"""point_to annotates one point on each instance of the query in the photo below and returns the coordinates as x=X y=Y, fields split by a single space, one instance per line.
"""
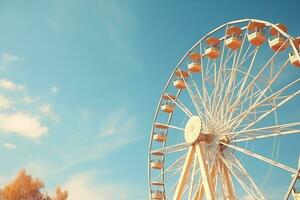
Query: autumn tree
x=24 y=187
x=60 y=195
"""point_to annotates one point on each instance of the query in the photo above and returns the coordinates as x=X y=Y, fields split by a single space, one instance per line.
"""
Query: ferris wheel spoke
x=228 y=107
x=173 y=148
x=272 y=110
x=176 y=172
x=178 y=103
x=264 y=91
x=184 y=174
x=172 y=167
x=241 y=175
x=244 y=80
x=168 y=126
x=218 y=75
x=283 y=100
x=277 y=127
x=248 y=55
x=265 y=132
x=201 y=99
x=257 y=156
x=235 y=66
x=267 y=135
x=258 y=75
x=192 y=96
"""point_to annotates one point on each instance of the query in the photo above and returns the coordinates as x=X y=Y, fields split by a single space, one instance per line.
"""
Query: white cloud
x=9 y=85
x=9 y=146
x=29 y=99
x=54 y=90
x=118 y=122
x=8 y=57
x=23 y=124
x=47 y=110
x=86 y=186
x=5 y=103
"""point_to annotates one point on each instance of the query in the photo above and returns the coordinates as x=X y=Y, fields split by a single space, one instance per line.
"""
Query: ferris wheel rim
x=268 y=24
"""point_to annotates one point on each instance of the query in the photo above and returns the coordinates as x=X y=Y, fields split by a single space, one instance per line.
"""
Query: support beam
x=209 y=190
x=185 y=173
x=200 y=193
x=227 y=184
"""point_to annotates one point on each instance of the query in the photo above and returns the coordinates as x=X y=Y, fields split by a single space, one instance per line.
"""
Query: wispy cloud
x=5 y=103
x=9 y=146
x=46 y=109
x=29 y=100
x=8 y=58
x=118 y=122
x=9 y=85
x=54 y=90
x=24 y=124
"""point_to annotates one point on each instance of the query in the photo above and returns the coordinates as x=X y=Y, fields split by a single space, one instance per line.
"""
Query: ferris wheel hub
x=193 y=131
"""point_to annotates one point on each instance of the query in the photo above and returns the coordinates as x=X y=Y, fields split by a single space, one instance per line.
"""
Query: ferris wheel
x=227 y=96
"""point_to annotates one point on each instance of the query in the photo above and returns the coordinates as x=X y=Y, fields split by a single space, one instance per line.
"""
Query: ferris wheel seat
x=157 y=195
x=167 y=108
x=294 y=59
x=195 y=56
x=212 y=52
x=179 y=84
x=256 y=38
x=158 y=164
x=233 y=42
x=160 y=137
x=278 y=43
x=194 y=67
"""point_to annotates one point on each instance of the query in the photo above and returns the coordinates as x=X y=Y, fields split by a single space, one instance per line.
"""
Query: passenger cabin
x=195 y=62
x=278 y=42
x=294 y=59
x=179 y=80
x=233 y=40
x=213 y=51
x=157 y=191
x=256 y=34
x=160 y=132
x=157 y=160
x=168 y=103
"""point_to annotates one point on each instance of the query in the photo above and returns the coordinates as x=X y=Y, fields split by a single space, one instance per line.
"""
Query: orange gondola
x=234 y=37
x=213 y=51
x=278 y=42
x=179 y=80
x=256 y=35
x=194 y=66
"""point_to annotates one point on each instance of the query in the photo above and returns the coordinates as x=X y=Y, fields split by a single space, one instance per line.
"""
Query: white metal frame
x=233 y=104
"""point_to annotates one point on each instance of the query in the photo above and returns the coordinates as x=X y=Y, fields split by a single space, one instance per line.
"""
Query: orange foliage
x=24 y=187
x=60 y=195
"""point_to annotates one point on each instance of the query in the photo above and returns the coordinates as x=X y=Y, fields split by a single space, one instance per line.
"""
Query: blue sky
x=84 y=77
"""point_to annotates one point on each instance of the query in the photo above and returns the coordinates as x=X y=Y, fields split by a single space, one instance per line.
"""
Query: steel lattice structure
x=227 y=90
